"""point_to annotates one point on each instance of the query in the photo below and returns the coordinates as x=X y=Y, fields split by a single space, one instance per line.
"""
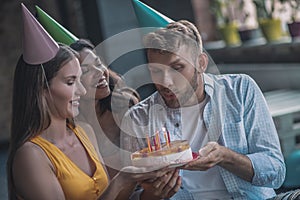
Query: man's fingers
x=207 y=149
x=201 y=164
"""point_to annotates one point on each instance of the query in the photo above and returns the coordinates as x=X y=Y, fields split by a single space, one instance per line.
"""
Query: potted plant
x=294 y=25
x=247 y=30
x=224 y=12
x=269 y=24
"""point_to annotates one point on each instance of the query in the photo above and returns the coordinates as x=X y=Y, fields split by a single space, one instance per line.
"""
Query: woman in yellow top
x=50 y=157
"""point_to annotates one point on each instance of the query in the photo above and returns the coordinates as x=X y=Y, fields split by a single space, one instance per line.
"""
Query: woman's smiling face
x=65 y=90
x=95 y=76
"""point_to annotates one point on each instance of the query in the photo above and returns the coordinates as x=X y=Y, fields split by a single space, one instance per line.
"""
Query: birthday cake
x=175 y=152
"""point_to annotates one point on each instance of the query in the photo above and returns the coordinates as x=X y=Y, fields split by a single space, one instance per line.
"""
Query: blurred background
x=235 y=33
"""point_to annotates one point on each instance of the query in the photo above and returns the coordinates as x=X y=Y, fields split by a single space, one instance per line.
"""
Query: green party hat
x=148 y=17
x=57 y=31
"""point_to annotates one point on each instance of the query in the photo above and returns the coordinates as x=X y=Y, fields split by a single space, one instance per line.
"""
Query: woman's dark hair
x=30 y=113
x=117 y=85
x=114 y=78
x=81 y=44
x=105 y=103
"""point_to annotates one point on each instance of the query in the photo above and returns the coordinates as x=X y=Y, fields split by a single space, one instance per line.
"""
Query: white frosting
x=164 y=160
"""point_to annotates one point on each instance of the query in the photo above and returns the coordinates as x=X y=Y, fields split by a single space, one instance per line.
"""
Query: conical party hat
x=57 y=31
x=148 y=17
x=38 y=46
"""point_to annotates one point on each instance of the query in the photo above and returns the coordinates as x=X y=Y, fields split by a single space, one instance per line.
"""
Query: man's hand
x=209 y=156
x=162 y=187
x=214 y=154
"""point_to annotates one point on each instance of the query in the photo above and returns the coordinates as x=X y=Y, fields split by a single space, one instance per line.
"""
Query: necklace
x=73 y=139
x=67 y=144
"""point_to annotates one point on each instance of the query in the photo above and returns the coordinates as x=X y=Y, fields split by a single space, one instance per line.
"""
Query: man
x=224 y=117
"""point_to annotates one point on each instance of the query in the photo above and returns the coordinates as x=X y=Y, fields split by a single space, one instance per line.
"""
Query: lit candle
x=166 y=139
x=157 y=140
x=154 y=142
x=169 y=140
x=149 y=144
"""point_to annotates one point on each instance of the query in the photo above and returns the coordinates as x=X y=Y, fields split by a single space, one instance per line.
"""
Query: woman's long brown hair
x=30 y=114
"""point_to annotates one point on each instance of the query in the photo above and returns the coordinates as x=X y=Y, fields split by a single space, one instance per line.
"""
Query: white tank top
x=202 y=184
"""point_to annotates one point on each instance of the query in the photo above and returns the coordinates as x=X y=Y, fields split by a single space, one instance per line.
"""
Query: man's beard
x=190 y=90
x=183 y=98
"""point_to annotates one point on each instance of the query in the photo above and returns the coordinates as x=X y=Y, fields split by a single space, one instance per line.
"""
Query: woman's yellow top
x=75 y=183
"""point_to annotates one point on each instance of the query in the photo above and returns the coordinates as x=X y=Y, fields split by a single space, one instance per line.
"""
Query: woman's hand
x=123 y=184
x=139 y=174
x=163 y=187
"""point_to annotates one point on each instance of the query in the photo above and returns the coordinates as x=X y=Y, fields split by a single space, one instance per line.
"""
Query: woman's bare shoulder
x=29 y=154
x=33 y=169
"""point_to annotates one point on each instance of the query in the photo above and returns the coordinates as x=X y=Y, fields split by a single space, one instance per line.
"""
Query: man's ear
x=203 y=62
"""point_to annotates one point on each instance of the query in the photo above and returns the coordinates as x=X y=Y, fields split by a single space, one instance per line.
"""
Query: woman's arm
x=123 y=183
x=34 y=175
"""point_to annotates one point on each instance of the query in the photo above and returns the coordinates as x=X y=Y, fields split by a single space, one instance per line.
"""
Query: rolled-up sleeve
x=263 y=146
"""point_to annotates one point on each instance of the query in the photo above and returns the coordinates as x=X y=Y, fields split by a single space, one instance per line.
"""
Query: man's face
x=175 y=76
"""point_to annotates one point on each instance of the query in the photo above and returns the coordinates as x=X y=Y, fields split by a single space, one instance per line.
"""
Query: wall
x=64 y=12
x=273 y=66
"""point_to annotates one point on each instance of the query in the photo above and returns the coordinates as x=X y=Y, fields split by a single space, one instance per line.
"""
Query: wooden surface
x=282 y=102
x=284 y=106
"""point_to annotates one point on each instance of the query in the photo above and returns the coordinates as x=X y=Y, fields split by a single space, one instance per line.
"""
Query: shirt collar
x=208 y=84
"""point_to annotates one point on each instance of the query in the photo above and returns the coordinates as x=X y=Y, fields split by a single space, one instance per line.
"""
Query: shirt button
x=94 y=178
x=97 y=191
